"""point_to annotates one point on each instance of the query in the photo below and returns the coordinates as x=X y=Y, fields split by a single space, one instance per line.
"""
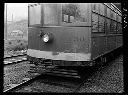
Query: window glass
x=117 y=18
x=34 y=14
x=119 y=28
x=50 y=14
x=120 y=19
x=72 y=13
x=94 y=22
x=115 y=23
x=102 y=9
x=108 y=12
x=112 y=14
x=112 y=27
x=101 y=24
x=108 y=25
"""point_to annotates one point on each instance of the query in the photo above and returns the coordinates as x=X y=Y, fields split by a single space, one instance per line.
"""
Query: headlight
x=45 y=38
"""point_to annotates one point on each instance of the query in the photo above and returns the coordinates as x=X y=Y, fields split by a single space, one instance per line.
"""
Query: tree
x=71 y=9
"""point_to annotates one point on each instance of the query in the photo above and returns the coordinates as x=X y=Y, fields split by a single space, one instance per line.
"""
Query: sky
x=18 y=11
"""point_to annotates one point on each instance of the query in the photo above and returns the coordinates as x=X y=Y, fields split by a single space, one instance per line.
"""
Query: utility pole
x=5 y=6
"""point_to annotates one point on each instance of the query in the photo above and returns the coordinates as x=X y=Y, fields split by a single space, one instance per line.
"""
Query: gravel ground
x=59 y=84
x=108 y=80
x=43 y=87
x=13 y=74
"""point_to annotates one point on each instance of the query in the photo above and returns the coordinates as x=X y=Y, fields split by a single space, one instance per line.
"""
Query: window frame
x=77 y=23
x=58 y=16
x=36 y=25
x=103 y=24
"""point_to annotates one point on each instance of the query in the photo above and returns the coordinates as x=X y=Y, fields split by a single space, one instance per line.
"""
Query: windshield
x=50 y=14
x=34 y=14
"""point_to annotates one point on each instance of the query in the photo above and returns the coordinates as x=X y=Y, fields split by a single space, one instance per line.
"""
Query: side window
x=117 y=18
x=102 y=9
x=108 y=12
x=95 y=7
x=94 y=22
x=101 y=24
x=34 y=14
x=112 y=14
x=120 y=19
x=115 y=29
x=108 y=25
x=112 y=27
x=72 y=13
x=119 y=28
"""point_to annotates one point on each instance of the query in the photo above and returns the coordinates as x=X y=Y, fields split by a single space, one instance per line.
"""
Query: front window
x=34 y=14
x=50 y=14
x=74 y=13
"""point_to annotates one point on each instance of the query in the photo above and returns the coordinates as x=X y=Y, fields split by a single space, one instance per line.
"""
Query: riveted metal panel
x=94 y=22
x=119 y=41
x=65 y=39
x=102 y=45
x=111 y=42
x=33 y=40
x=95 y=47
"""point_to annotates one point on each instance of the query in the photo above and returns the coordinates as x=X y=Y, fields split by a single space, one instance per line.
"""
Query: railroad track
x=63 y=82
x=50 y=81
x=75 y=86
x=10 y=56
x=15 y=59
x=46 y=81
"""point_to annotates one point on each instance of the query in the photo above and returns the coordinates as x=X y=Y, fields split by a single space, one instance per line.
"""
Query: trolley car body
x=73 y=33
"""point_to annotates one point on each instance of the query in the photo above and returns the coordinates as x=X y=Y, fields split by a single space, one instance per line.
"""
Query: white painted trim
x=59 y=55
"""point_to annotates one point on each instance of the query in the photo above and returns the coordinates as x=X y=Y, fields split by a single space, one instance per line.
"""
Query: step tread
x=59 y=74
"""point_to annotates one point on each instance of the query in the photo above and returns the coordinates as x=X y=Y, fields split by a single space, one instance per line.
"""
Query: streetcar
x=73 y=35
